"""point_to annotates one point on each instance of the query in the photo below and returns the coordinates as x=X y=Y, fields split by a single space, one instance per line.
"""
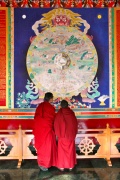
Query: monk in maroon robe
x=65 y=126
x=45 y=140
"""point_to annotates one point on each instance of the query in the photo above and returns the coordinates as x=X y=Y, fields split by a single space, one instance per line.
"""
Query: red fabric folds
x=45 y=141
x=65 y=124
x=66 y=129
x=66 y=153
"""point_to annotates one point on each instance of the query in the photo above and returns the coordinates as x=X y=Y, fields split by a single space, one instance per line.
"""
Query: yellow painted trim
x=110 y=55
x=7 y=59
x=12 y=57
x=115 y=57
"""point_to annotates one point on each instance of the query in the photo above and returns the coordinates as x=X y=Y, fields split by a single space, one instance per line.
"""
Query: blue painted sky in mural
x=99 y=30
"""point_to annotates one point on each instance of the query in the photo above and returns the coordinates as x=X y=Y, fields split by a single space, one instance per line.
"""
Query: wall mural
x=64 y=51
x=72 y=52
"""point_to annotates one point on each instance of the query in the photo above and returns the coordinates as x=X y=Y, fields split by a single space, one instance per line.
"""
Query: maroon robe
x=45 y=141
x=65 y=126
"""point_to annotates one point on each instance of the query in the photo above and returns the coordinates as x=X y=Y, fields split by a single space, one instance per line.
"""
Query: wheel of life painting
x=62 y=60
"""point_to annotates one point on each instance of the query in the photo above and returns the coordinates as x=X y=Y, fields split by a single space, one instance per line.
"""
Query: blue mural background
x=23 y=31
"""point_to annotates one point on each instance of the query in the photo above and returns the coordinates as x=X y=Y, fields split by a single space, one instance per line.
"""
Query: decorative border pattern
x=60 y=3
x=9 y=57
x=80 y=113
x=110 y=56
x=113 y=63
x=12 y=57
x=117 y=55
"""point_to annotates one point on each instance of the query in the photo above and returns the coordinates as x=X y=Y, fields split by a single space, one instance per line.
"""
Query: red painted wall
x=82 y=123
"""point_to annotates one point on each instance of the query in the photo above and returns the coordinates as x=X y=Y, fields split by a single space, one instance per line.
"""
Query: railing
x=11 y=139
x=90 y=143
x=92 y=138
